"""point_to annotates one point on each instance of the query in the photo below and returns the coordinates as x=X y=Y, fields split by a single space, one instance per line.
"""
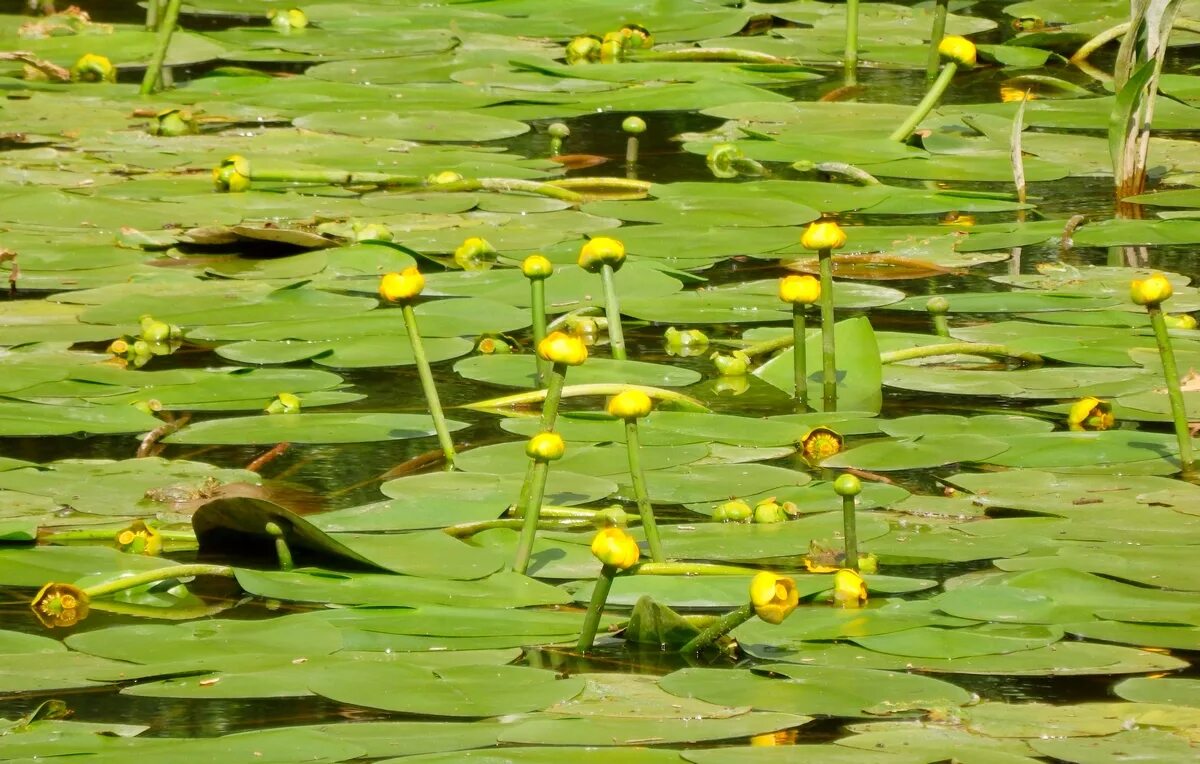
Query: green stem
x=851 y=72
x=828 y=358
x=537 y=305
x=556 y=145
x=955 y=348
x=157 y=574
x=612 y=310
x=466 y=530
x=427 y=384
x=850 y=533
x=935 y=38
x=679 y=400
x=554 y=391
x=799 y=356
x=152 y=10
x=718 y=629
x=631 y=150
x=689 y=569
x=589 y=185
x=732 y=55
x=107 y=534
x=596 y=608
x=529 y=524
x=941 y=327
x=1174 y=393
x=166 y=28
x=281 y=546
x=922 y=109
x=639 y=491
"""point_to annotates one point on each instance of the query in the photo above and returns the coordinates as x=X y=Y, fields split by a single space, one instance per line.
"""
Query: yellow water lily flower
x=773 y=597
x=560 y=347
x=799 y=290
x=545 y=447
x=60 y=605
x=849 y=589
x=402 y=287
x=536 y=268
x=1091 y=414
x=823 y=234
x=820 y=443
x=232 y=175
x=139 y=538
x=1151 y=291
x=601 y=251
x=91 y=67
x=958 y=49
x=613 y=546
x=630 y=404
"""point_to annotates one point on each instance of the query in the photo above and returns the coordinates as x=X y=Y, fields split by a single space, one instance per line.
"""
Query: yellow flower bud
x=293 y=19
x=140 y=538
x=545 y=447
x=849 y=589
x=232 y=175
x=630 y=404
x=1151 y=291
x=820 y=443
x=537 y=267
x=773 y=597
x=770 y=511
x=93 y=68
x=733 y=511
x=284 y=403
x=475 y=254
x=118 y=347
x=559 y=347
x=637 y=37
x=799 y=290
x=1091 y=414
x=1181 y=321
x=614 y=547
x=823 y=234
x=443 y=178
x=583 y=50
x=601 y=251
x=735 y=364
x=402 y=287
x=172 y=123
x=957 y=49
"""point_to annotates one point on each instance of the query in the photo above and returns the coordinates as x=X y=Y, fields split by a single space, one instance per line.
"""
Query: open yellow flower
x=232 y=175
x=773 y=597
x=601 y=251
x=139 y=538
x=1151 y=291
x=957 y=49
x=1091 y=414
x=820 y=443
x=60 y=605
x=630 y=404
x=799 y=290
x=823 y=234
x=849 y=589
x=613 y=546
x=560 y=347
x=402 y=287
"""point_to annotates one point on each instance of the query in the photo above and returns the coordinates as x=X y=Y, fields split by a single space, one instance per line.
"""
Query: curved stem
x=1174 y=393
x=850 y=533
x=690 y=569
x=466 y=530
x=851 y=67
x=541 y=469
x=718 y=629
x=157 y=574
x=957 y=348
x=427 y=384
x=828 y=356
x=612 y=310
x=681 y=401
x=922 y=109
x=587 y=636
x=799 y=356
x=166 y=28
x=638 y=478
x=935 y=38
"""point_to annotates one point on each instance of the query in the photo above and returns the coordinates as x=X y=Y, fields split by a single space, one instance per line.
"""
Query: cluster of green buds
x=156 y=338
x=736 y=364
x=685 y=343
x=610 y=49
x=172 y=123
x=765 y=512
x=92 y=67
x=287 y=21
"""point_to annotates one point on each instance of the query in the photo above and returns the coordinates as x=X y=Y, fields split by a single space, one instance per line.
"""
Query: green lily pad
x=309 y=428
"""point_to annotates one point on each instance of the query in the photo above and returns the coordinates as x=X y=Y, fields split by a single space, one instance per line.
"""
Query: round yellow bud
x=823 y=234
x=799 y=290
x=475 y=254
x=233 y=174
x=583 y=50
x=630 y=404
x=1151 y=291
x=402 y=287
x=93 y=68
x=559 y=347
x=545 y=447
x=1181 y=321
x=537 y=267
x=614 y=547
x=957 y=49
x=601 y=251
x=443 y=178
x=849 y=589
x=773 y=597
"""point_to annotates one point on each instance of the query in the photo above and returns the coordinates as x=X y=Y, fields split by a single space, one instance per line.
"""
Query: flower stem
x=431 y=394
x=612 y=310
x=157 y=574
x=281 y=546
x=537 y=489
x=679 y=400
x=955 y=348
x=166 y=28
x=935 y=38
x=851 y=68
x=466 y=530
x=799 y=356
x=922 y=109
x=591 y=621
x=828 y=359
x=718 y=629
x=537 y=305
x=1174 y=393
x=639 y=490
x=850 y=533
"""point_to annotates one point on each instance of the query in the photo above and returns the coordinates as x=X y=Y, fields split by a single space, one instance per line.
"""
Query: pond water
x=1019 y=563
